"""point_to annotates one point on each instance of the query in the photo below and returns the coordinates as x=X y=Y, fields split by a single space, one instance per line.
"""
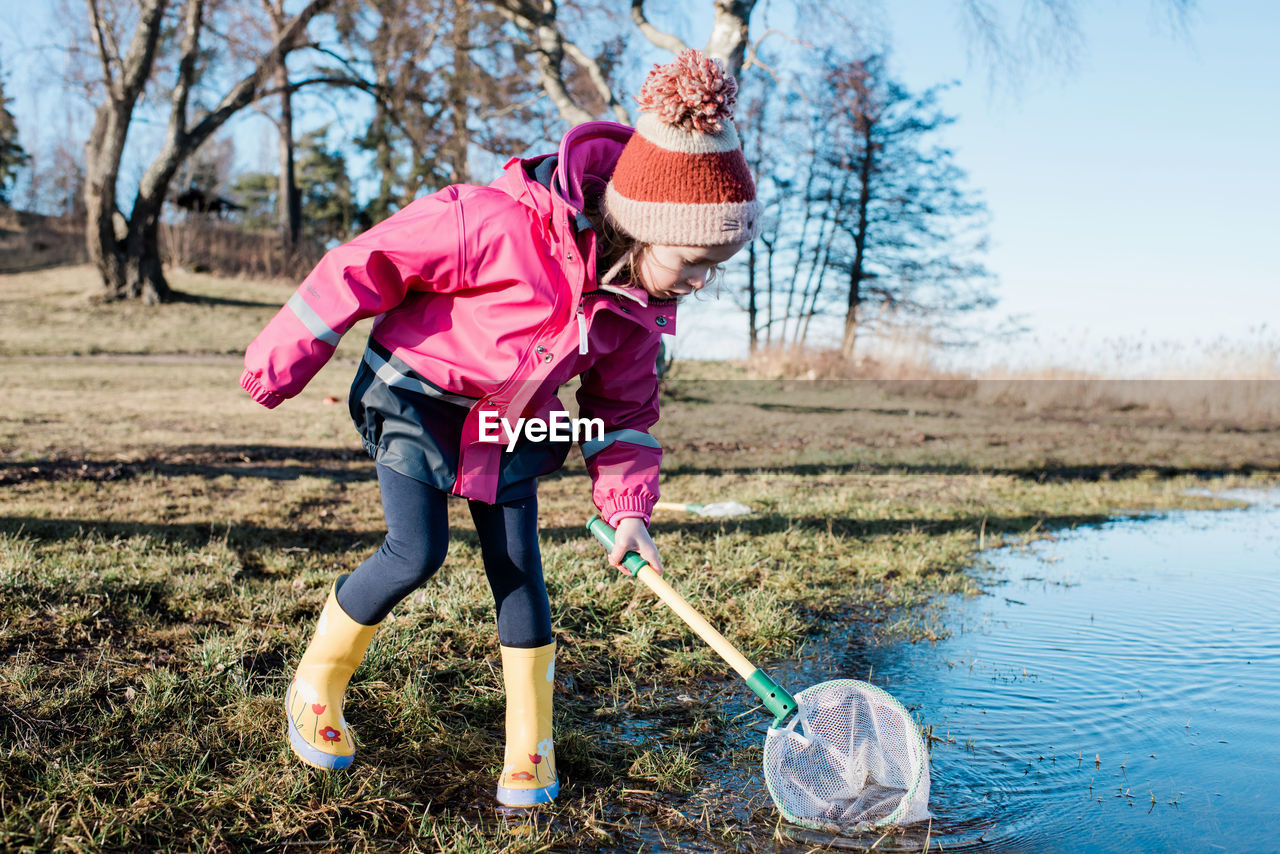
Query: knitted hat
x=682 y=178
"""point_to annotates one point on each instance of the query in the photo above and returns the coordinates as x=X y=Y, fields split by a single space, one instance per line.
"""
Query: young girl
x=487 y=299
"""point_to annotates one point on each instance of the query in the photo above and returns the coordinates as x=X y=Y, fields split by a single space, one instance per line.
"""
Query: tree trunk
x=130 y=263
x=835 y=202
x=459 y=89
x=850 y=324
x=102 y=167
x=768 y=302
x=866 y=171
x=806 y=199
x=380 y=130
x=384 y=160
x=105 y=234
x=753 y=333
x=125 y=252
x=288 y=200
x=728 y=39
x=144 y=272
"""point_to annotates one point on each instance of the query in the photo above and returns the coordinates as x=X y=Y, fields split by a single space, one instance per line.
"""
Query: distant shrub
x=30 y=241
x=205 y=245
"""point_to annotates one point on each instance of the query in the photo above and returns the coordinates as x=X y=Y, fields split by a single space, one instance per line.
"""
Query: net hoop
x=918 y=757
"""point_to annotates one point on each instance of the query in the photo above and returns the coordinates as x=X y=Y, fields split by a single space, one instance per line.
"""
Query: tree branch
x=594 y=71
x=188 y=54
x=138 y=61
x=246 y=89
x=346 y=63
x=666 y=41
x=753 y=54
x=329 y=80
x=728 y=39
x=549 y=45
x=99 y=40
x=512 y=108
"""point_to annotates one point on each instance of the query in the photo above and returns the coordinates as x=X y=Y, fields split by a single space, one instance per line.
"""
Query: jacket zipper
x=582 y=330
x=510 y=381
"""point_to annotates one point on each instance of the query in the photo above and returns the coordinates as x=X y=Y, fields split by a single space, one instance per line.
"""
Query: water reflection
x=1116 y=689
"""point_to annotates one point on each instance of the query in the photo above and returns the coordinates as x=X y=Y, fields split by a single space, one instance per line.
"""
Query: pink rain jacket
x=484 y=291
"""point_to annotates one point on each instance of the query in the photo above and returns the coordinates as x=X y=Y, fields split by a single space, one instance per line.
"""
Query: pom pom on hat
x=693 y=93
x=682 y=179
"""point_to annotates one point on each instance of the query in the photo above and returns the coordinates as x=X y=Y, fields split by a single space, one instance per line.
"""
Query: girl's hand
x=633 y=536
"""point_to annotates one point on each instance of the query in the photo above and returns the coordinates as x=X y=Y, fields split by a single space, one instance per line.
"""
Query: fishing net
x=724 y=508
x=849 y=759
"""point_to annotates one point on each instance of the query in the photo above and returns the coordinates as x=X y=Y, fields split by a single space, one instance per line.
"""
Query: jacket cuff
x=268 y=398
x=627 y=514
x=619 y=508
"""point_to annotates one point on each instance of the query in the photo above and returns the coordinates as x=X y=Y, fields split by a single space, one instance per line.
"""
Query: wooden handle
x=775 y=698
x=696 y=621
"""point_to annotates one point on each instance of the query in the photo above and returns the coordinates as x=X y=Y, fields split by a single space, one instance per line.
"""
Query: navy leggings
x=417 y=540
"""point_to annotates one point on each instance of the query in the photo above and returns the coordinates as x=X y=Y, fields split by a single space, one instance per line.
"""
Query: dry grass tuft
x=1225 y=384
x=1242 y=404
x=818 y=363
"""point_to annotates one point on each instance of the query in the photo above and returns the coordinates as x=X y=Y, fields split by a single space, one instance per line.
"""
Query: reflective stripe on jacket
x=489 y=292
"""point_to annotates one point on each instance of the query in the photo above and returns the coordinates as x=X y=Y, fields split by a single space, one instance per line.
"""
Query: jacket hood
x=587 y=155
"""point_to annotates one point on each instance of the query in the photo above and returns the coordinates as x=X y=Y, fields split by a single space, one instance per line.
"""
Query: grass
x=166 y=544
x=53 y=312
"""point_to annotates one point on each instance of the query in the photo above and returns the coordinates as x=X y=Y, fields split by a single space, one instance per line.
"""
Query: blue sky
x=1134 y=197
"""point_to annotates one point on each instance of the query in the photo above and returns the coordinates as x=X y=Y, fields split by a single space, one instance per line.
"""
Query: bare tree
x=126 y=250
x=1050 y=26
x=880 y=222
x=125 y=77
x=728 y=42
x=445 y=79
x=1042 y=31
x=288 y=199
x=866 y=215
x=539 y=21
x=403 y=47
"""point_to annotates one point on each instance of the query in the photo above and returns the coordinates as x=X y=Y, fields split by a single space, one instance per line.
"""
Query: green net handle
x=632 y=563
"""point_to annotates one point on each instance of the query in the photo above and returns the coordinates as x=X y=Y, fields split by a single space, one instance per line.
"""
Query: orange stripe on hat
x=649 y=173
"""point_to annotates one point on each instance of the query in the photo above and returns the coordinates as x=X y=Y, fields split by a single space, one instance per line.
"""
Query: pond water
x=1117 y=688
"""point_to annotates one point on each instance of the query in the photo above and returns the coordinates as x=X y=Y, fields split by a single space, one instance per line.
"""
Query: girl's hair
x=616 y=251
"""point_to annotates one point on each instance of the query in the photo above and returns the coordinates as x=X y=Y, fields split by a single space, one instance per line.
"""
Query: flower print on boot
x=318 y=732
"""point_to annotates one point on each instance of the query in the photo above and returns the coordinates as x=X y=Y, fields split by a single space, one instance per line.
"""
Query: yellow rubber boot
x=318 y=733
x=529 y=763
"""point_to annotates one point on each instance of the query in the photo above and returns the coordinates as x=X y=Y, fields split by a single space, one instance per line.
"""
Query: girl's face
x=670 y=272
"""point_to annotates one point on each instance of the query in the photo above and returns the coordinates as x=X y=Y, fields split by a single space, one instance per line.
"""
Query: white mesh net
x=724 y=508
x=850 y=758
